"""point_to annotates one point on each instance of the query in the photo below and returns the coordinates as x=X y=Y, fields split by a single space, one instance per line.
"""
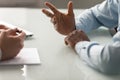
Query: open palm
x=64 y=23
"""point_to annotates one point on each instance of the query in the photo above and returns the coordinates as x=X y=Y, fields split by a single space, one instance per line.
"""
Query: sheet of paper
x=26 y=56
x=28 y=33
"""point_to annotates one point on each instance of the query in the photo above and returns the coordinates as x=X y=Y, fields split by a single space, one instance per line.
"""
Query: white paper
x=28 y=33
x=26 y=56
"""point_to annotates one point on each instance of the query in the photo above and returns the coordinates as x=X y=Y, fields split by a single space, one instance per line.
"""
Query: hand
x=11 y=42
x=64 y=23
x=75 y=37
x=3 y=27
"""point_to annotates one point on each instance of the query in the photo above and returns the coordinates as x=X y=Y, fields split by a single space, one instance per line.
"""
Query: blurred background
x=40 y=3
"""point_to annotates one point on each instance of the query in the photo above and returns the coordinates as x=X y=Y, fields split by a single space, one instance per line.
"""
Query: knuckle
x=74 y=32
x=66 y=37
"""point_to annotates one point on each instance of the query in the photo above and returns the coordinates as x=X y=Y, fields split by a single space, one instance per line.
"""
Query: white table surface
x=58 y=62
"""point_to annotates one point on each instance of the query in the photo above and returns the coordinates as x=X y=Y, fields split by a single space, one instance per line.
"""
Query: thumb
x=70 y=8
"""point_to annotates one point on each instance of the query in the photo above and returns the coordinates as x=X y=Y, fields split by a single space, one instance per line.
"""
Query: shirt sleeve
x=104 y=14
x=104 y=58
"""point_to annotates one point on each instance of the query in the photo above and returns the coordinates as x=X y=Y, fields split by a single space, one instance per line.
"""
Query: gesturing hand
x=64 y=23
x=75 y=37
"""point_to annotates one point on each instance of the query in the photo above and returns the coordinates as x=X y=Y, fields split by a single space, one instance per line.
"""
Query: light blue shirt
x=102 y=58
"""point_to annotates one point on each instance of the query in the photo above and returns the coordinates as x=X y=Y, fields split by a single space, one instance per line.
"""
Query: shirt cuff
x=116 y=37
x=90 y=52
x=83 y=49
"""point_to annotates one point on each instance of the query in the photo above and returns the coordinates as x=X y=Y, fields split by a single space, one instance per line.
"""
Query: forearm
x=104 y=14
x=86 y=21
x=105 y=58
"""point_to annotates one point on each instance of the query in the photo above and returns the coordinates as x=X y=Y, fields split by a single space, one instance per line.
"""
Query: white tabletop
x=58 y=62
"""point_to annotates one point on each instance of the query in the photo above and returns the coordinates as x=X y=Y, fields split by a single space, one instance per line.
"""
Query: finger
x=53 y=20
x=3 y=26
x=47 y=13
x=1 y=30
x=18 y=30
x=2 y=33
x=70 y=8
x=21 y=35
x=66 y=40
x=74 y=32
x=52 y=7
x=12 y=31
